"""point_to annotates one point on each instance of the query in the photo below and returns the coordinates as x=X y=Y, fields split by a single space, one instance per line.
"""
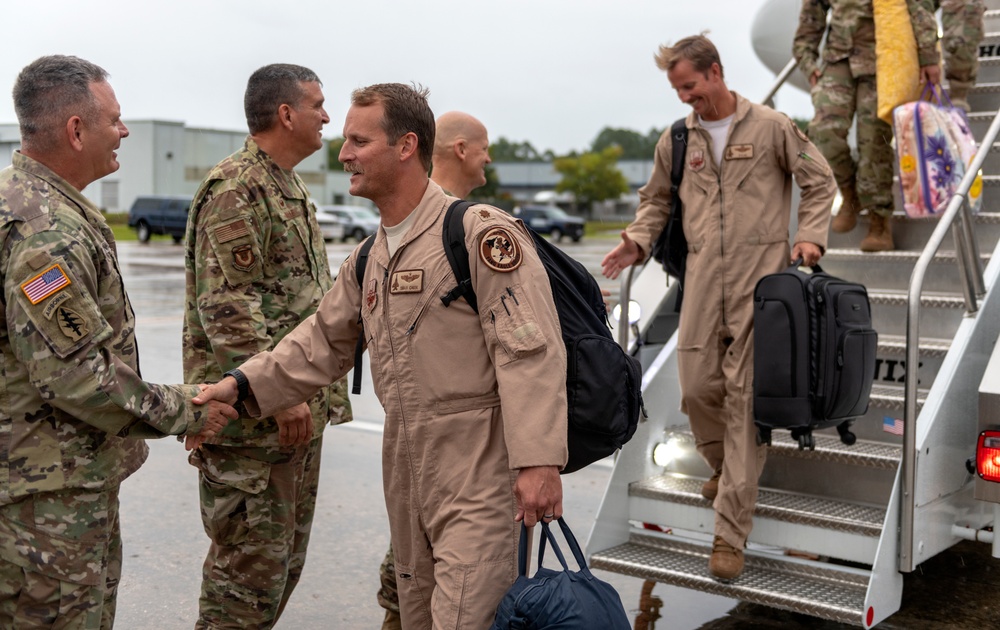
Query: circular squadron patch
x=499 y=250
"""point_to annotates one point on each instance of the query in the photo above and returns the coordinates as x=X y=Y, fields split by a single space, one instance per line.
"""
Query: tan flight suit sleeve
x=316 y=353
x=813 y=175
x=654 y=199
x=523 y=337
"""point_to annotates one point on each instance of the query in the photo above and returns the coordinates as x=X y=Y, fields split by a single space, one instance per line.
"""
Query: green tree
x=490 y=191
x=592 y=177
x=333 y=153
x=504 y=150
x=634 y=145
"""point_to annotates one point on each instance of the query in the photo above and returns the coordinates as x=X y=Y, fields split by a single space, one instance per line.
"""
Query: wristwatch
x=242 y=384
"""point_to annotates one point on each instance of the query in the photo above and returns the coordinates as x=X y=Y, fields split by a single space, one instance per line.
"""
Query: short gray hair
x=269 y=88
x=50 y=90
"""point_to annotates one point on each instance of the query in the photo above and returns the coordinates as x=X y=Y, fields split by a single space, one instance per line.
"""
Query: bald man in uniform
x=461 y=153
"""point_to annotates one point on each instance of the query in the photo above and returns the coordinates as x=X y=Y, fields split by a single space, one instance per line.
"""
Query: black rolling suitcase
x=814 y=353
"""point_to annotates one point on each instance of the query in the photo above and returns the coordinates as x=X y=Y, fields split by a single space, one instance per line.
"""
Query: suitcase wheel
x=805 y=438
x=846 y=435
x=763 y=436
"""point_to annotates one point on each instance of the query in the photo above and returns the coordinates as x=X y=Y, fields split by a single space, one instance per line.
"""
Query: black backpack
x=670 y=247
x=603 y=382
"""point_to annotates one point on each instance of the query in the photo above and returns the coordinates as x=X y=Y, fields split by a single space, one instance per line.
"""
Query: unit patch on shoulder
x=499 y=251
x=45 y=284
x=244 y=258
x=71 y=324
x=407 y=281
x=231 y=231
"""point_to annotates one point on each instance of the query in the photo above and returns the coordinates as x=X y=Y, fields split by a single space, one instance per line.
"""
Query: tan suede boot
x=879 y=237
x=710 y=489
x=726 y=562
x=958 y=92
x=850 y=207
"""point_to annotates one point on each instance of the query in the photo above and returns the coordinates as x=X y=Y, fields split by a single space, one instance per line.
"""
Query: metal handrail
x=779 y=81
x=973 y=286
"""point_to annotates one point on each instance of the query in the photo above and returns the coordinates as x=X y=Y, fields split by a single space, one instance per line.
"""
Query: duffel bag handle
x=574 y=546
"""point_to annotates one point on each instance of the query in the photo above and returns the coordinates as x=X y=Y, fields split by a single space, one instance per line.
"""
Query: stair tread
x=869 y=453
x=896 y=345
x=928 y=299
x=897 y=255
x=820 y=591
x=789 y=507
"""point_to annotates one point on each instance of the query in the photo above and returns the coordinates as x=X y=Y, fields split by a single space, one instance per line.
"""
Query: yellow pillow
x=897 y=66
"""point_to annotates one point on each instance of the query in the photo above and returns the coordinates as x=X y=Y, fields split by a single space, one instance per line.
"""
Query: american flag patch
x=231 y=231
x=45 y=284
x=892 y=425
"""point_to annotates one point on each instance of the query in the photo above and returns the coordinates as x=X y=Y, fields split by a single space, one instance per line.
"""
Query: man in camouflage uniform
x=844 y=86
x=70 y=393
x=256 y=266
x=962 y=30
x=461 y=153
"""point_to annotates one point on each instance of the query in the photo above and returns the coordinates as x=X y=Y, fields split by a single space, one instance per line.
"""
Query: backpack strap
x=678 y=141
x=359 y=348
x=453 y=236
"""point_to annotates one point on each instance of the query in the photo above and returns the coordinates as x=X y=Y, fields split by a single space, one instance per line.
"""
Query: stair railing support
x=966 y=244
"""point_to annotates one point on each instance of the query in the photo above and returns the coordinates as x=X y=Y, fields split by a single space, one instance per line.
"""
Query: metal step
x=941 y=313
x=892 y=270
x=817 y=589
x=842 y=516
x=912 y=234
x=890 y=366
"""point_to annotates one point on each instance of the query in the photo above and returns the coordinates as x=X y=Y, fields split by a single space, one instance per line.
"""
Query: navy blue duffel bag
x=558 y=600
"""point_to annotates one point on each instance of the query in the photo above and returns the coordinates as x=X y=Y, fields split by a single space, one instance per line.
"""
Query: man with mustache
x=256 y=266
x=71 y=398
x=475 y=427
x=461 y=153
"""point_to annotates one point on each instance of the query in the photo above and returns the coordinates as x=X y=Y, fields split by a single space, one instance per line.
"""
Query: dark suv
x=551 y=220
x=159 y=214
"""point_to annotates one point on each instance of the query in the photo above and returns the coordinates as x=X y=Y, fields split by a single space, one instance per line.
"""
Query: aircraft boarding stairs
x=837 y=505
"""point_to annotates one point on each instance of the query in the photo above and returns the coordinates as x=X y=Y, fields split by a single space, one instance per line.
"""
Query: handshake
x=295 y=424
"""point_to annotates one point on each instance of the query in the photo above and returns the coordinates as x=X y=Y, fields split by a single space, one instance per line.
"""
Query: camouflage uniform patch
x=255 y=266
x=388 y=596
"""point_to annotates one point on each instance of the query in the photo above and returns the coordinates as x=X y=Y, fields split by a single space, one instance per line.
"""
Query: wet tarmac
x=165 y=543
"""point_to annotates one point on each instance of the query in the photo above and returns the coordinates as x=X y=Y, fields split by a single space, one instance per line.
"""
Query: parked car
x=551 y=220
x=159 y=214
x=359 y=222
x=330 y=225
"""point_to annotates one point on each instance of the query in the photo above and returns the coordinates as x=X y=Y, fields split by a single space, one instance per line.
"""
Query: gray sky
x=553 y=72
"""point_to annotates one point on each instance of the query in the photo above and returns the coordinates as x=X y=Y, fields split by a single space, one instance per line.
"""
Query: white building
x=167 y=158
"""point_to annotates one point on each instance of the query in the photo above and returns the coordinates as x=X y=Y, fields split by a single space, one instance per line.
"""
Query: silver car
x=330 y=226
x=359 y=222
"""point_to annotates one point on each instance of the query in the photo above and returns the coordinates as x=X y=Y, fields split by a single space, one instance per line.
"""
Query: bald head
x=461 y=153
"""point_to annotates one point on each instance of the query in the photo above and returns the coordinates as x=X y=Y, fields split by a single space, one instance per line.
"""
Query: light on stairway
x=667 y=452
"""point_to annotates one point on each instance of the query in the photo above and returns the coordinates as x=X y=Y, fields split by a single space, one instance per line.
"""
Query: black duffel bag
x=558 y=600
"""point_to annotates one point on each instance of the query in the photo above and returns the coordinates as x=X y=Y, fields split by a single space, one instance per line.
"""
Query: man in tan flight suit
x=736 y=192
x=475 y=428
x=461 y=153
